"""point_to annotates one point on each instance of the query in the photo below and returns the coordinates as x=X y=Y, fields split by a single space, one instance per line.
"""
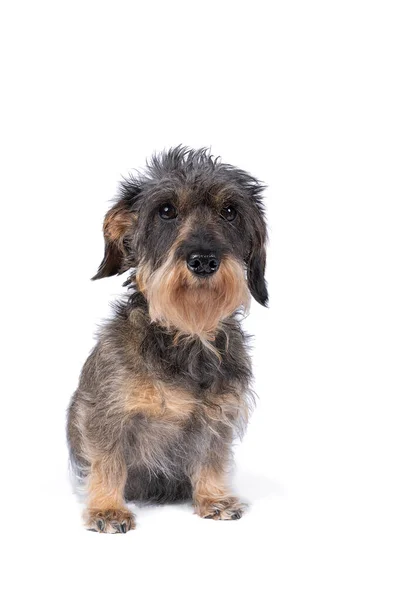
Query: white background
x=305 y=95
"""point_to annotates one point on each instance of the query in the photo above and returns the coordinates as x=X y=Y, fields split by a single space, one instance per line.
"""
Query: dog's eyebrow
x=223 y=192
x=158 y=196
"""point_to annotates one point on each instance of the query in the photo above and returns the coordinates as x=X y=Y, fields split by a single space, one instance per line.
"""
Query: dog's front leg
x=212 y=497
x=106 y=511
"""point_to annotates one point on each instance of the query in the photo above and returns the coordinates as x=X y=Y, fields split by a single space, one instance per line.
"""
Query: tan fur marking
x=106 y=484
x=226 y=408
x=106 y=511
x=179 y=300
x=158 y=400
x=109 y=520
x=116 y=224
x=144 y=272
x=210 y=484
x=211 y=496
x=142 y=276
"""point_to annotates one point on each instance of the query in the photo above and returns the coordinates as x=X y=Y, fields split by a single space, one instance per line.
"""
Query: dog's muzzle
x=203 y=263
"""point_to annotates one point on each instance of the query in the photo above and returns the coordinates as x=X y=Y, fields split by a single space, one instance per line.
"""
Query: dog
x=167 y=388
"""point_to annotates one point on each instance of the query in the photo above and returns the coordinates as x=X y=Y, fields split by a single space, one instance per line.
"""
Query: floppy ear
x=256 y=266
x=118 y=223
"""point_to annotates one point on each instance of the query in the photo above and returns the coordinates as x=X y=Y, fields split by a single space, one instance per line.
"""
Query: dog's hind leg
x=106 y=511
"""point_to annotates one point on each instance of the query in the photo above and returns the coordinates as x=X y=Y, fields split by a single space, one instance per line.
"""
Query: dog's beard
x=194 y=306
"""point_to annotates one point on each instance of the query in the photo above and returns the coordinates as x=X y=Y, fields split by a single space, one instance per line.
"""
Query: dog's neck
x=171 y=354
x=207 y=337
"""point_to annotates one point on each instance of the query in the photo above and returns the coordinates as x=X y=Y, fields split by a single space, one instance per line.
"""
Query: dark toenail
x=123 y=527
x=100 y=525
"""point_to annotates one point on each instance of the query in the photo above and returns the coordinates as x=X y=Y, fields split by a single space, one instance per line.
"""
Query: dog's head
x=194 y=231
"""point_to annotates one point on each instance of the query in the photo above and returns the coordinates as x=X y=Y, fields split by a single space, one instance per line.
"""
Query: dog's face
x=193 y=229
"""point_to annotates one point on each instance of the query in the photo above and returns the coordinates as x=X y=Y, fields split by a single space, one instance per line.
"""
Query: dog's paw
x=227 y=509
x=109 y=520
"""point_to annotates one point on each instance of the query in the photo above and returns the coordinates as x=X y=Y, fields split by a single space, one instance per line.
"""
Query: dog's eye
x=228 y=213
x=167 y=211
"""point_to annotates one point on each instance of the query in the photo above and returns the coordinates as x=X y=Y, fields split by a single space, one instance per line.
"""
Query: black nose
x=203 y=263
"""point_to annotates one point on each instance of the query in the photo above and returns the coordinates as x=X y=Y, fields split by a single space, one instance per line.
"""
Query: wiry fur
x=178 y=301
x=167 y=387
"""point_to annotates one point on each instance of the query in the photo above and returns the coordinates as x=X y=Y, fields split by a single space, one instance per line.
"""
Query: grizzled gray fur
x=167 y=386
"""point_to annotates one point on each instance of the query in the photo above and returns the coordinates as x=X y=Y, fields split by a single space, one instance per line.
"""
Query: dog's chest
x=197 y=368
x=167 y=425
x=173 y=405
